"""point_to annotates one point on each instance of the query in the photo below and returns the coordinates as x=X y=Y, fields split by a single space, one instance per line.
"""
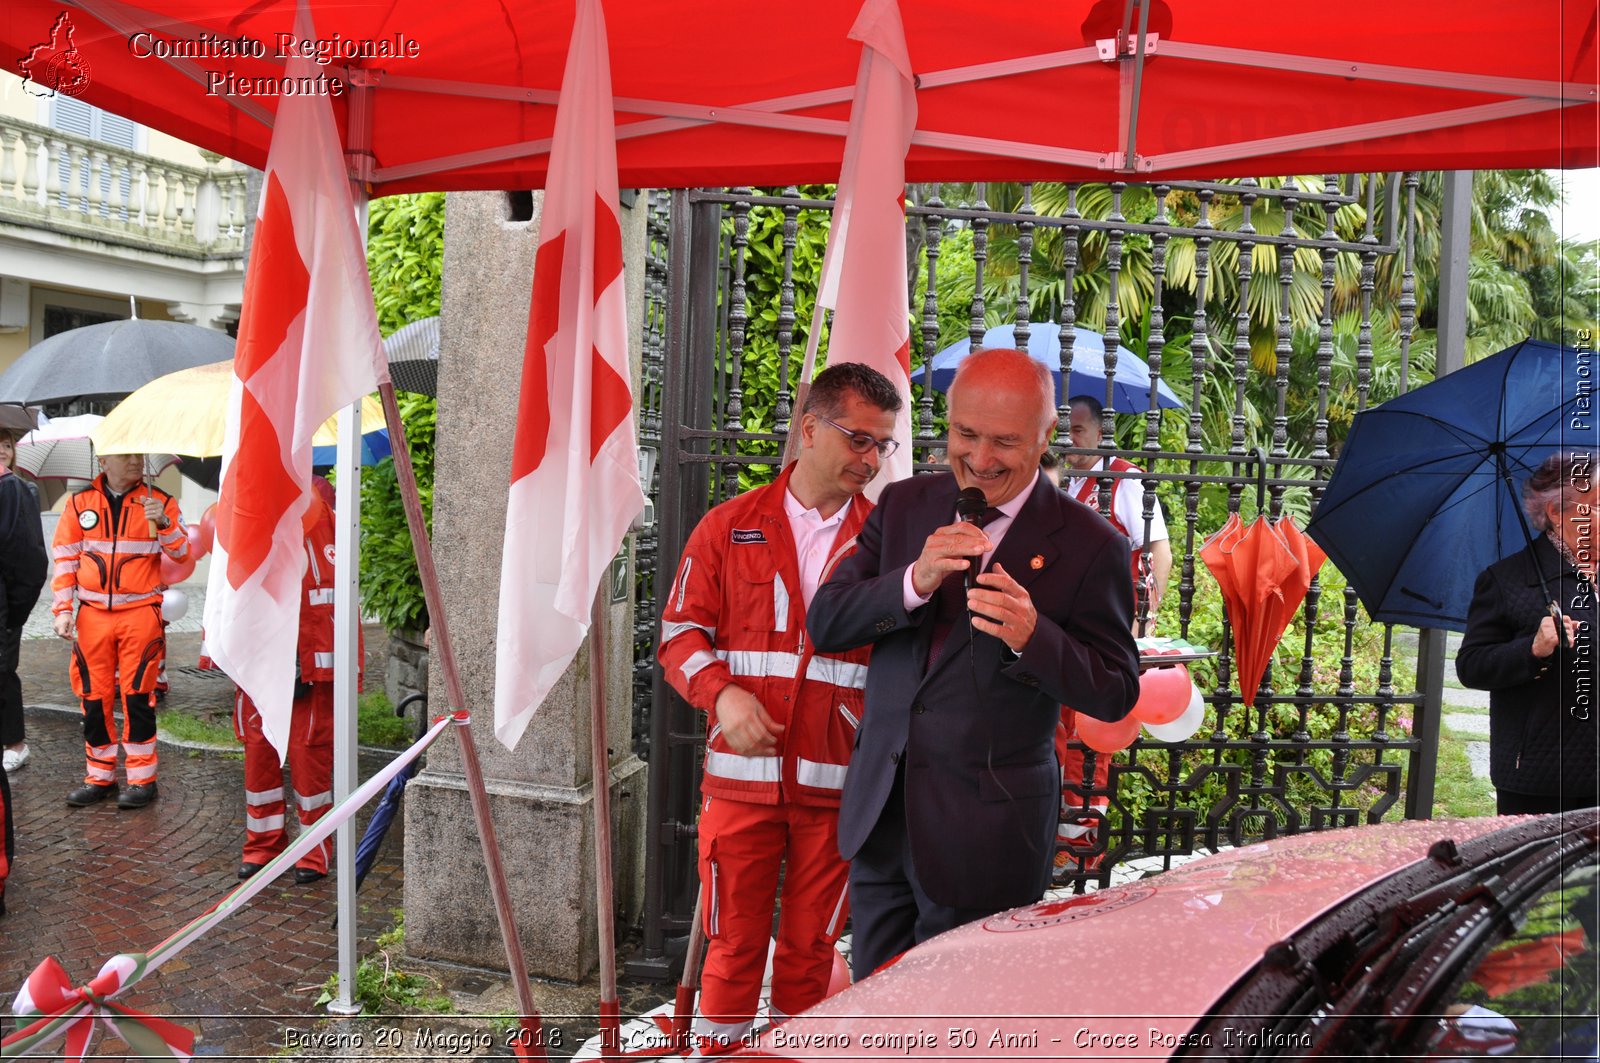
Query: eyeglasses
x=860 y=442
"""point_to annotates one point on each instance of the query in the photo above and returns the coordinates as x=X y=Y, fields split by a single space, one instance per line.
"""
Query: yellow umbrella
x=185 y=413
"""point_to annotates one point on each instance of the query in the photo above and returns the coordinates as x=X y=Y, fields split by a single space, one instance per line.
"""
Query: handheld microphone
x=969 y=510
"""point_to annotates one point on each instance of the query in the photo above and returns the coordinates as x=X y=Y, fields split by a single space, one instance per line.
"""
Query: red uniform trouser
x=310 y=768
x=742 y=845
x=121 y=648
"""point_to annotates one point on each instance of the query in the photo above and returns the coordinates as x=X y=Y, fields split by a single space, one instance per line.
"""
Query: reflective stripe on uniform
x=821 y=776
x=847 y=714
x=139 y=749
x=837 y=672
x=697 y=660
x=262 y=797
x=320 y=596
x=672 y=630
x=322 y=660
x=172 y=535
x=683 y=581
x=744 y=769
x=780 y=604
x=836 y=921
x=771 y=663
x=121 y=546
x=262 y=824
x=314 y=801
x=102 y=598
x=67 y=550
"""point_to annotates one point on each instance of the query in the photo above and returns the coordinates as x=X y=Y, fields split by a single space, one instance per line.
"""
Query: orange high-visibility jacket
x=113 y=567
x=735 y=614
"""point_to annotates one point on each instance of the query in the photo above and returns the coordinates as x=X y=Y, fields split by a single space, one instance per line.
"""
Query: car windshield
x=1534 y=993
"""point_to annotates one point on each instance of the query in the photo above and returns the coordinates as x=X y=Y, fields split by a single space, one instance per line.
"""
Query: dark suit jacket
x=982 y=785
x=1542 y=712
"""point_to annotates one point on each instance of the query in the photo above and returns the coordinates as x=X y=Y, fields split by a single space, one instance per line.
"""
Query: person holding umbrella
x=108 y=548
x=1152 y=556
x=1530 y=643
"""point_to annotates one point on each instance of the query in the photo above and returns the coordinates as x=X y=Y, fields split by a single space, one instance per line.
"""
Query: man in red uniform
x=782 y=717
x=108 y=548
x=311 y=724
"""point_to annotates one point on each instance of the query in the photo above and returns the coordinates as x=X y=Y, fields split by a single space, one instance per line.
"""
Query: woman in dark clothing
x=1541 y=678
x=23 y=566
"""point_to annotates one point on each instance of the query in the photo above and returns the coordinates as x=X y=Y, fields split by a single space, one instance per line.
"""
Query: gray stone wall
x=541 y=793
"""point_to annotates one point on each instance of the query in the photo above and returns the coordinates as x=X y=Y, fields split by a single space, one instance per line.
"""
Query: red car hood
x=1120 y=973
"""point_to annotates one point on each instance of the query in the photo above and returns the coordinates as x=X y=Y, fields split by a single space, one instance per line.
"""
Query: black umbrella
x=414 y=357
x=109 y=360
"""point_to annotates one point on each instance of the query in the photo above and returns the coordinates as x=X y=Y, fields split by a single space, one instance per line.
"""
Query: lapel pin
x=1037 y=563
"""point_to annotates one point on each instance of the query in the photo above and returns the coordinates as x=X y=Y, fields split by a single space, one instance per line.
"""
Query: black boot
x=89 y=793
x=137 y=796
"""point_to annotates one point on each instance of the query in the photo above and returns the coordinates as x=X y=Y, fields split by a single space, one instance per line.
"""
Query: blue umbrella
x=383 y=812
x=1131 y=385
x=1426 y=492
x=374 y=448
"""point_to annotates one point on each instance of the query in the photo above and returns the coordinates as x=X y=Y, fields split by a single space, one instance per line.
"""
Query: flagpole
x=600 y=755
x=530 y=1045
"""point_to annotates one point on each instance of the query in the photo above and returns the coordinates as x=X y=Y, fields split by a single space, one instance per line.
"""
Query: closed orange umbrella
x=1264 y=570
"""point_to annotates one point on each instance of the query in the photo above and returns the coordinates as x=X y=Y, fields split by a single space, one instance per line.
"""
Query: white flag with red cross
x=864 y=270
x=308 y=345
x=575 y=467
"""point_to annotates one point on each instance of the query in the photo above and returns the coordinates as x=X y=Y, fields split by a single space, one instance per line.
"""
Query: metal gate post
x=1455 y=239
x=670 y=869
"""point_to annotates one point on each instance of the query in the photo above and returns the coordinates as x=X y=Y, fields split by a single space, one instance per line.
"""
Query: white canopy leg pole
x=346 y=667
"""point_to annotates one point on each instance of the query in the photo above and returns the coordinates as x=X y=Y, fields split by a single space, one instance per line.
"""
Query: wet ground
x=89 y=883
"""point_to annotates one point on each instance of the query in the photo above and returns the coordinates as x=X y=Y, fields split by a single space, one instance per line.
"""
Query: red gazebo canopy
x=717 y=92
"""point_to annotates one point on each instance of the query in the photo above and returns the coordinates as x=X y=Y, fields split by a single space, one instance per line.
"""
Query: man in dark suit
x=949 y=808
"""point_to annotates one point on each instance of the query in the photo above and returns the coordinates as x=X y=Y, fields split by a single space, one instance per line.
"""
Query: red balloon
x=208 y=528
x=1107 y=737
x=839 y=977
x=197 y=549
x=1164 y=694
x=175 y=572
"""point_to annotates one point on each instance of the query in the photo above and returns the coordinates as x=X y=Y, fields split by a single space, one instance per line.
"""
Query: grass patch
x=1456 y=791
x=379 y=726
x=376 y=725
x=199 y=730
x=383 y=989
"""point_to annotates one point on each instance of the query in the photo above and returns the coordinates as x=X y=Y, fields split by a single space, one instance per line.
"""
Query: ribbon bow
x=55 y=1007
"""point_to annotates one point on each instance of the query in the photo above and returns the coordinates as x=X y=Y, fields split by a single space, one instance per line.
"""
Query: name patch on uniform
x=88 y=519
x=748 y=535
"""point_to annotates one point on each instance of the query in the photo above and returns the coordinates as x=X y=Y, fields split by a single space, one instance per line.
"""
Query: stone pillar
x=541 y=793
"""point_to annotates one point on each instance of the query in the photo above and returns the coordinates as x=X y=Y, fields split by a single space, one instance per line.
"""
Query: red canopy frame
x=719 y=92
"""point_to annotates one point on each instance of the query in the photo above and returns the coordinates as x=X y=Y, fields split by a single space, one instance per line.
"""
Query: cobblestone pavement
x=90 y=883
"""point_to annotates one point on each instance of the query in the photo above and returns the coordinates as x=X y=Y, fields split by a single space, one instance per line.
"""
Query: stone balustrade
x=79 y=186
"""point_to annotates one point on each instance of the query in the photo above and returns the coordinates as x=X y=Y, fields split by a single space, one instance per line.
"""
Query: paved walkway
x=93 y=882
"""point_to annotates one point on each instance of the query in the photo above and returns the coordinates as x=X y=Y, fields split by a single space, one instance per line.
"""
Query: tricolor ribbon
x=51 y=1007
x=57 y=1009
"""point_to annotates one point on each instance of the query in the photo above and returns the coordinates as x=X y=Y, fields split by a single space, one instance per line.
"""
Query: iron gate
x=1279 y=346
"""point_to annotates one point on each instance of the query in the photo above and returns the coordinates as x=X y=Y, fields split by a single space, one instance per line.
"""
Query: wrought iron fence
x=1281 y=341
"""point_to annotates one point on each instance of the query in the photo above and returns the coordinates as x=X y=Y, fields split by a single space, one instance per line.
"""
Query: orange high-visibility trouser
x=118 y=648
x=310 y=770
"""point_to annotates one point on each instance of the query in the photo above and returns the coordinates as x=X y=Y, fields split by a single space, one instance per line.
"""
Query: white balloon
x=174 y=605
x=1184 y=726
